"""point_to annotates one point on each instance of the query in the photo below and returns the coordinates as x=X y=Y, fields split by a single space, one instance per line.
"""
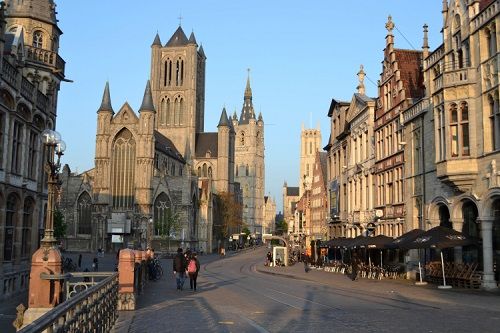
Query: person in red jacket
x=193 y=268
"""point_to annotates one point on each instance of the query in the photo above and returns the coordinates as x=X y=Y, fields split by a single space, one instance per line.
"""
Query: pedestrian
x=95 y=264
x=193 y=268
x=269 y=258
x=222 y=252
x=306 y=264
x=355 y=262
x=80 y=260
x=179 y=266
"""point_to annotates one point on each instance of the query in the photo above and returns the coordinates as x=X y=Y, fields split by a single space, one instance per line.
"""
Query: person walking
x=355 y=262
x=193 y=268
x=95 y=264
x=179 y=266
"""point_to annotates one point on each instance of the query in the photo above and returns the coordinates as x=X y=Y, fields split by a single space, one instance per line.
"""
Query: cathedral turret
x=223 y=148
x=106 y=101
x=156 y=41
x=247 y=112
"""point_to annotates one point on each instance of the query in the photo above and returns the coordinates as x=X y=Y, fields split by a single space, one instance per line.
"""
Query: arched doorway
x=444 y=221
x=495 y=208
x=471 y=253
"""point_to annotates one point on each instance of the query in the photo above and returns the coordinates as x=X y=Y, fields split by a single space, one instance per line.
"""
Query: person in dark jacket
x=193 y=269
x=180 y=266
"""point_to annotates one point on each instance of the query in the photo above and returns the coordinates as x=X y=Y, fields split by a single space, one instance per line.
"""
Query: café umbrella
x=441 y=238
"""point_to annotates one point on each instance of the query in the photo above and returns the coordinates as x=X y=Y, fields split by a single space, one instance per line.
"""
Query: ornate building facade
x=155 y=165
x=454 y=134
x=32 y=71
x=310 y=143
x=249 y=163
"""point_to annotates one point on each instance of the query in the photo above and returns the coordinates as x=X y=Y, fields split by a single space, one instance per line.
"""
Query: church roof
x=163 y=144
x=157 y=40
x=206 y=142
x=192 y=39
x=223 y=119
x=106 y=100
x=147 y=100
x=178 y=38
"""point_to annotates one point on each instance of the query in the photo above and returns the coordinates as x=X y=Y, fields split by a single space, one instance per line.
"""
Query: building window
x=26 y=231
x=454 y=130
x=163 y=221
x=38 y=39
x=2 y=135
x=10 y=227
x=494 y=123
x=123 y=170
x=464 y=128
x=84 y=211
x=32 y=155
x=17 y=133
x=441 y=134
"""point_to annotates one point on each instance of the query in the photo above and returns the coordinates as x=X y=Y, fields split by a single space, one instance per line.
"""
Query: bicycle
x=155 y=269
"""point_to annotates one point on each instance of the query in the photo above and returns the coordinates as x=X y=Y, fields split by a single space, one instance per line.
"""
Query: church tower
x=34 y=22
x=178 y=89
x=310 y=143
x=249 y=162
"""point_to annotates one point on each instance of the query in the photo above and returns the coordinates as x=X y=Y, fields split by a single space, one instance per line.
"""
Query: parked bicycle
x=155 y=269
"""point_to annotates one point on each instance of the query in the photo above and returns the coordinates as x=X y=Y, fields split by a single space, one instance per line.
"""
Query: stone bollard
x=43 y=294
x=126 y=292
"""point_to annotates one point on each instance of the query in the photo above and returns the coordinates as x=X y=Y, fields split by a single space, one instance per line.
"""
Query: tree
x=229 y=215
x=59 y=225
x=281 y=227
x=168 y=225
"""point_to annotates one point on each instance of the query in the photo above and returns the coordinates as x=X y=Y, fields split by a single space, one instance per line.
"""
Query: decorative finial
x=361 y=77
x=389 y=25
x=180 y=19
x=426 y=39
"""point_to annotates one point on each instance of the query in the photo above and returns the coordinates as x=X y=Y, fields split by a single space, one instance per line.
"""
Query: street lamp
x=53 y=146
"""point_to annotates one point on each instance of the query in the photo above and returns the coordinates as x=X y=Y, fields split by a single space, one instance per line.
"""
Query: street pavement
x=239 y=294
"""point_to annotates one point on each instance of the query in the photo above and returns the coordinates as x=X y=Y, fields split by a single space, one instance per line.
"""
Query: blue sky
x=301 y=55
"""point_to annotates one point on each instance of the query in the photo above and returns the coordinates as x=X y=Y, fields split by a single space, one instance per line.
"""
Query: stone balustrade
x=46 y=57
x=485 y=16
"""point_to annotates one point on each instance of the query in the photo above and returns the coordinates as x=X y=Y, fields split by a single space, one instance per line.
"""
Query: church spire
x=106 y=100
x=248 y=89
x=147 y=100
x=247 y=112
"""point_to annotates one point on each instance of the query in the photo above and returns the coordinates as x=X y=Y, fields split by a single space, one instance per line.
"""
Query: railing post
x=43 y=294
x=126 y=295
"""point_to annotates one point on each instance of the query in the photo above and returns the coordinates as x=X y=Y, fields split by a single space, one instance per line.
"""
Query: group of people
x=186 y=264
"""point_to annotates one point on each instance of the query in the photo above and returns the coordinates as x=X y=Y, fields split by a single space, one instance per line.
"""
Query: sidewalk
x=396 y=288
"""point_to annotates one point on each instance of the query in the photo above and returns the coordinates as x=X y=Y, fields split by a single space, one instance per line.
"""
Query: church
x=157 y=172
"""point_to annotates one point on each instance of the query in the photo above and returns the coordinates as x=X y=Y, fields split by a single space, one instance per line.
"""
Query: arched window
x=169 y=112
x=199 y=171
x=204 y=170
x=26 y=231
x=163 y=218
x=209 y=172
x=242 y=139
x=163 y=111
x=123 y=170
x=10 y=227
x=454 y=130
x=247 y=171
x=38 y=39
x=84 y=211
x=178 y=72
x=179 y=105
x=471 y=229
x=181 y=111
x=464 y=128
x=494 y=123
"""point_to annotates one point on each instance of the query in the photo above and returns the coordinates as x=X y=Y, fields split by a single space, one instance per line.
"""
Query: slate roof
x=147 y=100
x=206 y=142
x=163 y=144
x=106 y=100
x=157 y=40
x=292 y=191
x=485 y=3
x=178 y=38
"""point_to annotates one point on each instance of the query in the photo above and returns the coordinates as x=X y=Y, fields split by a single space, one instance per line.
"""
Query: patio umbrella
x=377 y=242
x=440 y=237
x=405 y=239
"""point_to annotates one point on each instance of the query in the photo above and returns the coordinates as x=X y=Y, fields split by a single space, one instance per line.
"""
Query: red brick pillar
x=43 y=294
x=126 y=292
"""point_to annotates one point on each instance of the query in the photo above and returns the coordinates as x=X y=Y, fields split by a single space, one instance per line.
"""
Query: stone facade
x=290 y=199
x=154 y=165
x=249 y=163
x=310 y=143
x=269 y=214
x=32 y=72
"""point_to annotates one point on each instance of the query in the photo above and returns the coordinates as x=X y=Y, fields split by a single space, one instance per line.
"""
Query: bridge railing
x=92 y=310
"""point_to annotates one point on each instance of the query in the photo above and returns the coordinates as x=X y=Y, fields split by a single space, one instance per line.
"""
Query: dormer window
x=38 y=39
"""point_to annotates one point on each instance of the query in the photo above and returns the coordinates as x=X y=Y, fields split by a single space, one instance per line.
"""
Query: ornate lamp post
x=46 y=261
x=53 y=146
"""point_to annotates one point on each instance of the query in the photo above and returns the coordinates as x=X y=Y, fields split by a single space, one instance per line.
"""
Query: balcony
x=458 y=173
x=458 y=77
x=45 y=57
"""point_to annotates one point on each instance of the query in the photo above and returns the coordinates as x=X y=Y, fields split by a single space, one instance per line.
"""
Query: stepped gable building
x=400 y=85
x=455 y=135
x=319 y=196
x=154 y=164
x=249 y=162
x=32 y=72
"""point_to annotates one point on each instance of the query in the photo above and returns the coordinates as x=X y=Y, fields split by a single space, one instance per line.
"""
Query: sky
x=301 y=55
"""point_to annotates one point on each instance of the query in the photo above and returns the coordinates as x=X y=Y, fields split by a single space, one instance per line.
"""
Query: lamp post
x=53 y=146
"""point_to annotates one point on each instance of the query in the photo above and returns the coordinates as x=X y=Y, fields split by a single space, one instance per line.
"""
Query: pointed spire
x=201 y=51
x=235 y=116
x=106 y=100
x=248 y=89
x=147 y=100
x=260 y=117
x=178 y=38
x=157 y=41
x=223 y=119
x=192 y=39
x=361 y=77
